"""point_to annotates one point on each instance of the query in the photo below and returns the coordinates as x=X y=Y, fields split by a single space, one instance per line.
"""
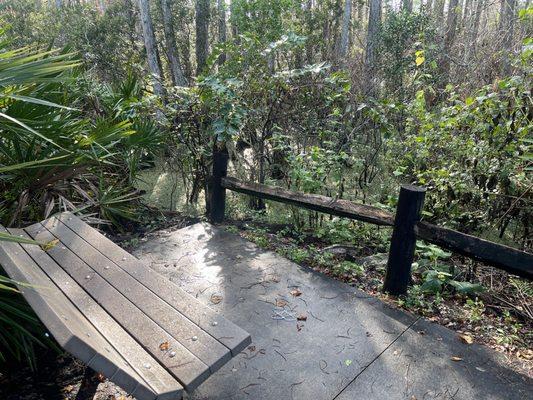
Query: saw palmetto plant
x=55 y=156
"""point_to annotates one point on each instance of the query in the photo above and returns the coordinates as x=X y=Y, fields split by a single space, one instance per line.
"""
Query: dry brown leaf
x=281 y=303
x=456 y=358
x=215 y=299
x=164 y=346
x=467 y=339
x=296 y=292
x=251 y=348
x=68 y=389
x=302 y=317
x=100 y=377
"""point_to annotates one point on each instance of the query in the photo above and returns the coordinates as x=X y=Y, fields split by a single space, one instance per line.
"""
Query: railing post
x=403 y=241
x=218 y=193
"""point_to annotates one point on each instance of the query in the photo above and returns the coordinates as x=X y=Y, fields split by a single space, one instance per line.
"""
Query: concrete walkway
x=346 y=345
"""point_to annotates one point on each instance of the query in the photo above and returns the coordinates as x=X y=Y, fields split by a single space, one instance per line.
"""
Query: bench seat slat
x=197 y=341
x=185 y=366
x=164 y=386
x=68 y=326
x=229 y=334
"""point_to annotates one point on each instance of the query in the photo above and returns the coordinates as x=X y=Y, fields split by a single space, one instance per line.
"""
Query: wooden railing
x=406 y=223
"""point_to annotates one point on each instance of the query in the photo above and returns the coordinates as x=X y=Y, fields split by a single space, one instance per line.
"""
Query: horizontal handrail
x=315 y=202
x=500 y=256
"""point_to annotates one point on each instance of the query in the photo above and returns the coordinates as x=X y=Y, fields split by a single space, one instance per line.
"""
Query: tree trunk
x=451 y=29
x=474 y=29
x=467 y=13
x=178 y=79
x=222 y=29
x=345 y=33
x=150 y=45
x=407 y=6
x=439 y=9
x=202 y=34
x=374 y=26
x=309 y=50
x=507 y=18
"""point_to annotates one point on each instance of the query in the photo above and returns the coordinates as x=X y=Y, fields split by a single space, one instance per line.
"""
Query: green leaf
x=6 y=237
x=467 y=287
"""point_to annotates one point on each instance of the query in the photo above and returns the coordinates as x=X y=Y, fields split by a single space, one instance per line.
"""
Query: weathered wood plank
x=403 y=241
x=504 y=257
x=192 y=337
x=217 y=201
x=315 y=202
x=183 y=365
x=229 y=334
x=164 y=386
x=71 y=330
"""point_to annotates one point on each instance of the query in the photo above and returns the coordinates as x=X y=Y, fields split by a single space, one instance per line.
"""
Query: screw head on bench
x=88 y=277
x=172 y=354
x=214 y=323
x=194 y=338
x=106 y=267
x=147 y=366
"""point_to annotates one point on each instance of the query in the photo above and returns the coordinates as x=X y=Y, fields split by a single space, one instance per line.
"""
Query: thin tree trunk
x=151 y=47
x=178 y=79
x=202 y=35
x=374 y=26
x=407 y=6
x=507 y=22
x=439 y=9
x=451 y=29
x=309 y=26
x=474 y=29
x=467 y=13
x=345 y=33
x=222 y=29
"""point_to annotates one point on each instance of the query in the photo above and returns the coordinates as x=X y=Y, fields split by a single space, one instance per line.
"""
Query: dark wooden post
x=403 y=241
x=218 y=193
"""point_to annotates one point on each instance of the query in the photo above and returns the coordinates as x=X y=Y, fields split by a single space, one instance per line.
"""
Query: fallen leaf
x=466 y=338
x=421 y=332
x=348 y=362
x=299 y=327
x=302 y=317
x=281 y=303
x=456 y=358
x=251 y=348
x=68 y=389
x=164 y=346
x=100 y=377
x=215 y=299
x=296 y=292
x=50 y=245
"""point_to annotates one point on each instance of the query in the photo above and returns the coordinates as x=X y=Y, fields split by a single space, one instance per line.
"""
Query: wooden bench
x=117 y=315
